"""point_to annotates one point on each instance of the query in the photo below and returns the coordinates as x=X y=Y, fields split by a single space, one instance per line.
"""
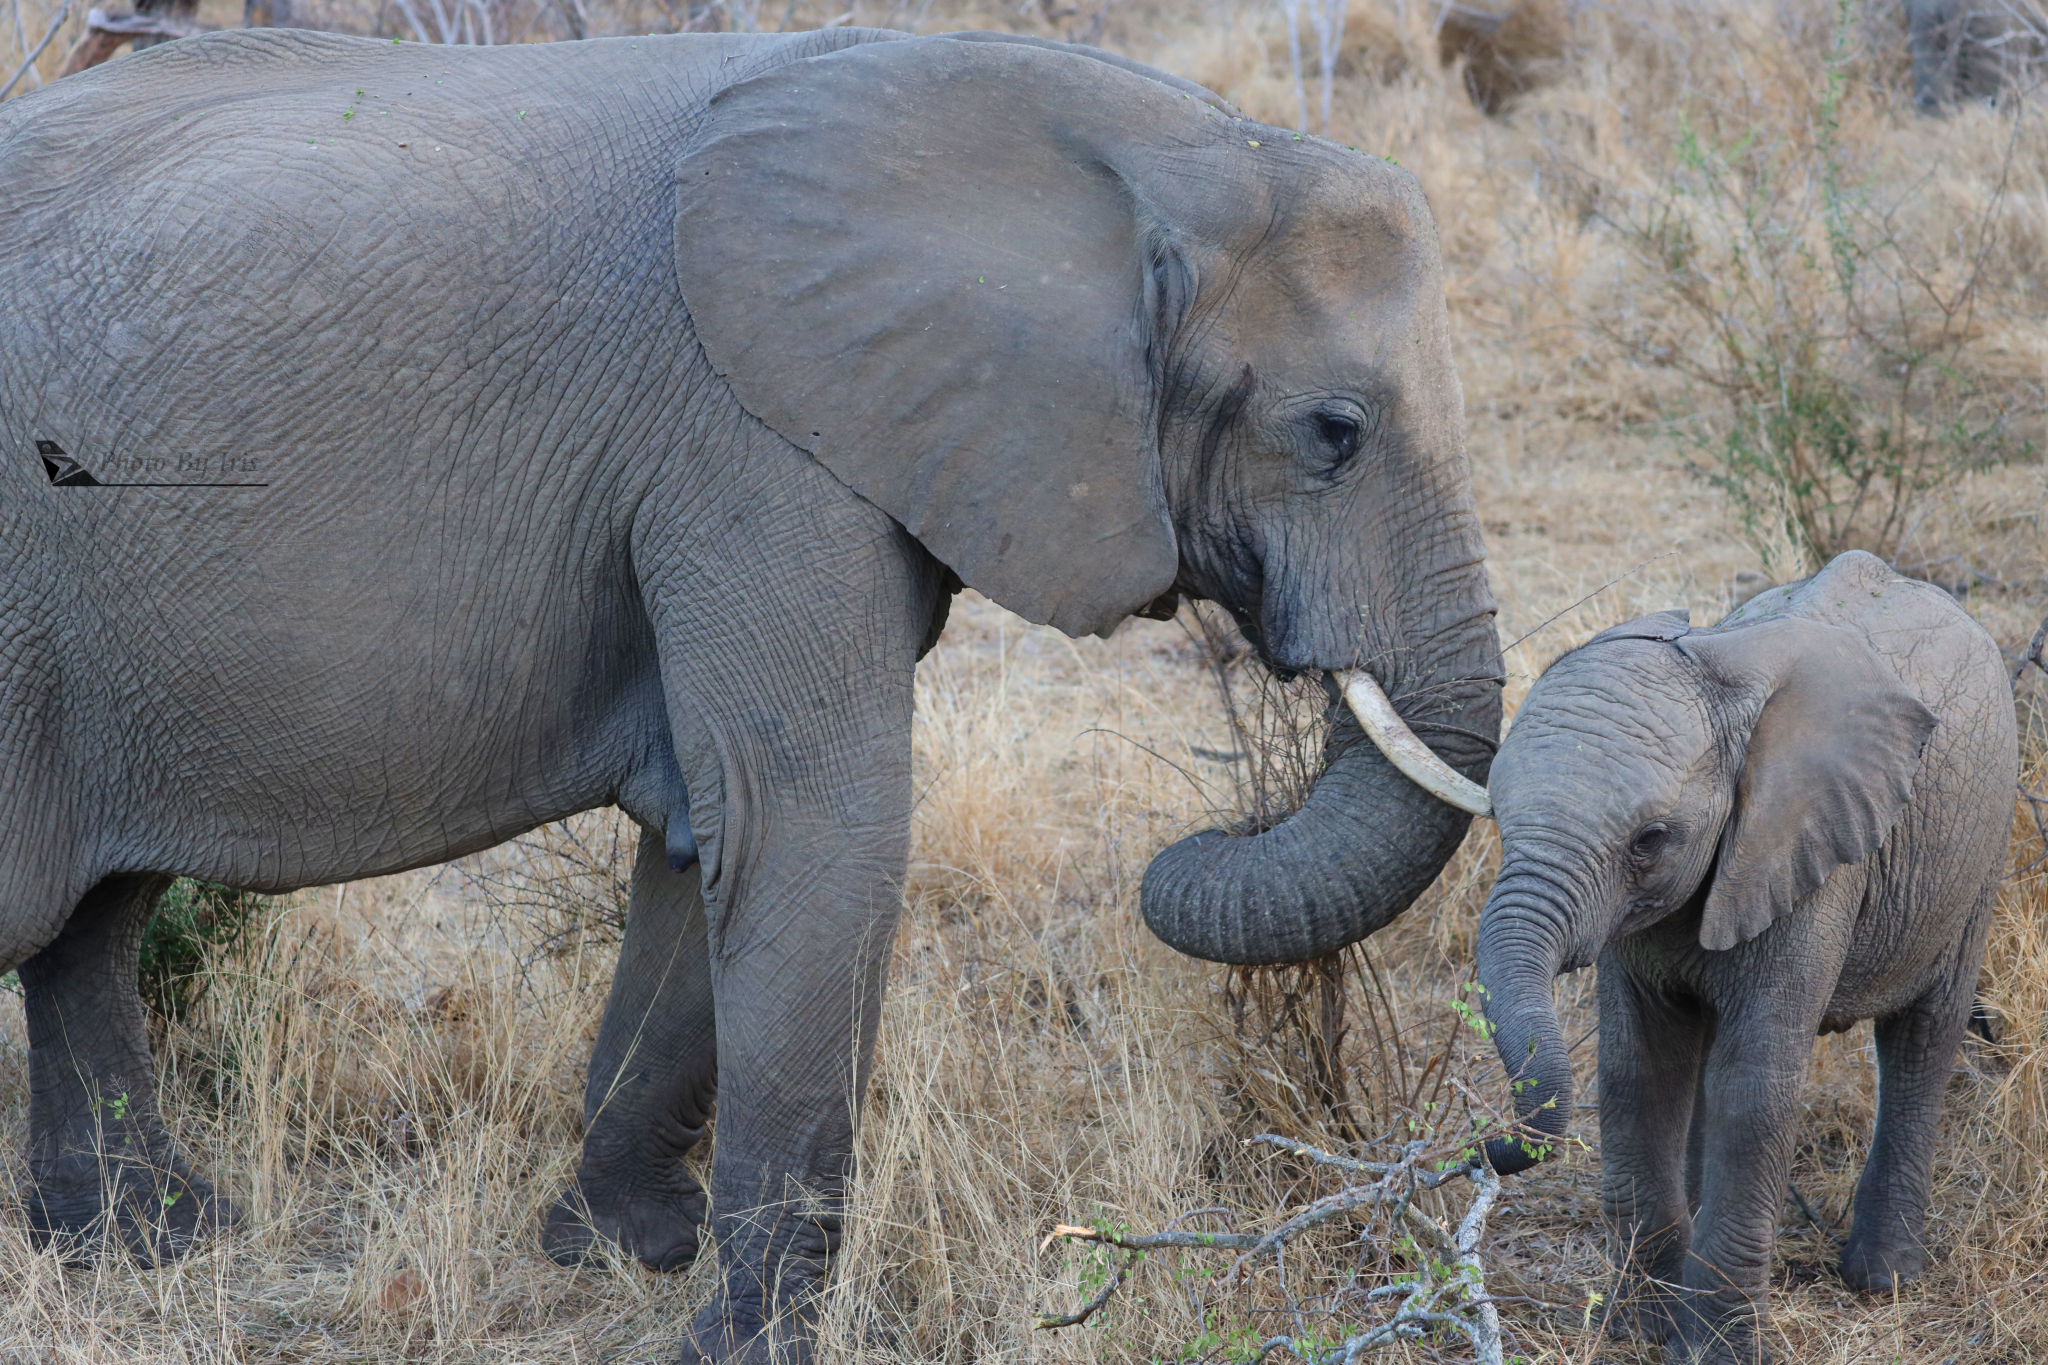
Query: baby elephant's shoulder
x=1915 y=626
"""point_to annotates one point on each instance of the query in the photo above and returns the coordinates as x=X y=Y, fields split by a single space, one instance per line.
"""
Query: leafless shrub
x=564 y=887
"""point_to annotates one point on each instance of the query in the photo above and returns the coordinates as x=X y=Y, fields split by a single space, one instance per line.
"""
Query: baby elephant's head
x=1660 y=770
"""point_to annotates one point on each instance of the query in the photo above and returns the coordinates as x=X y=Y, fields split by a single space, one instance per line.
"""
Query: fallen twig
x=1447 y=1291
x=1799 y=1198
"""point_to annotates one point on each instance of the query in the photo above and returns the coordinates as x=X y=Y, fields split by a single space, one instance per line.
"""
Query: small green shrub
x=195 y=923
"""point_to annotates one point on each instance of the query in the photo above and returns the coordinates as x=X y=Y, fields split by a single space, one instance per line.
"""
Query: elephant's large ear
x=919 y=261
x=1828 y=768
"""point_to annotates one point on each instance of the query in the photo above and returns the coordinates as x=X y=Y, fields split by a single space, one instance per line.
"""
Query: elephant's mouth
x=1382 y=724
x=1376 y=715
x=1415 y=760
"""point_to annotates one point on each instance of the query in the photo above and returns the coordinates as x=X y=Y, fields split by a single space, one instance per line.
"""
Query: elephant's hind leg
x=653 y=1075
x=99 y=1158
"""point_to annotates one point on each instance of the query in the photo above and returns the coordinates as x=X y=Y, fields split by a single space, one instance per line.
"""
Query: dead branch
x=2033 y=654
x=1447 y=1291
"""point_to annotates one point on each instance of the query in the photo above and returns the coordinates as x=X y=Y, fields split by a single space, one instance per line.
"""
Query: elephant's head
x=1660 y=770
x=1097 y=342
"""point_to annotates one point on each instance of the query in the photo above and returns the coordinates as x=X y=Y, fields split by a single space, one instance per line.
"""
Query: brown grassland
x=1650 y=250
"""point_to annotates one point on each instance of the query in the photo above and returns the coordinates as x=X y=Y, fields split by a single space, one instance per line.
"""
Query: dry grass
x=390 y=1085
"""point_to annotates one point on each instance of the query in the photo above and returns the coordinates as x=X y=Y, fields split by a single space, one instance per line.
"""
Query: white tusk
x=1394 y=739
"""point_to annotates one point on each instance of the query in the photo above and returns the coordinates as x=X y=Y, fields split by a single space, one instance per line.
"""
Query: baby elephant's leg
x=1915 y=1049
x=97 y=1148
x=1754 y=1070
x=1650 y=1056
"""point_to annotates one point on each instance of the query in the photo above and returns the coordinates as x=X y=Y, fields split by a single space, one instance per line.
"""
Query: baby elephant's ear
x=919 y=261
x=1827 y=771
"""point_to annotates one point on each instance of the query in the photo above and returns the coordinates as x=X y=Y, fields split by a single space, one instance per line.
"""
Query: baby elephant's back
x=1954 y=832
x=1938 y=650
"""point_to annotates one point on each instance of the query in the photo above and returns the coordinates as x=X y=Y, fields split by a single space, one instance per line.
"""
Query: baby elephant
x=1762 y=831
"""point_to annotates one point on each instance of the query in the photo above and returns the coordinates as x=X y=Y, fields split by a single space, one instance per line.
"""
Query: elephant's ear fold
x=1828 y=767
x=918 y=261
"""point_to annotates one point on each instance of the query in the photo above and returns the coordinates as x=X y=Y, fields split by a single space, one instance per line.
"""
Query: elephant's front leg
x=653 y=1075
x=799 y=986
x=1651 y=1054
x=1754 y=1070
x=789 y=623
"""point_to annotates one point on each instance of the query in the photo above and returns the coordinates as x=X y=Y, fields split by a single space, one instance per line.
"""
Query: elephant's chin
x=1364 y=845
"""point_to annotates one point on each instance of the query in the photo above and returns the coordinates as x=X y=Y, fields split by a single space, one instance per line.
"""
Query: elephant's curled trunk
x=1520 y=934
x=1368 y=840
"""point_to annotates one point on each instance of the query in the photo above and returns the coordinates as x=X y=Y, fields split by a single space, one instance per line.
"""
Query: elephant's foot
x=158 y=1208
x=1708 y=1333
x=725 y=1335
x=772 y=1319
x=1877 y=1265
x=1643 y=1307
x=658 y=1222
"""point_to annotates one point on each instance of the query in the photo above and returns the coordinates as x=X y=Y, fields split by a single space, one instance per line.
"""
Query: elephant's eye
x=1650 y=841
x=1340 y=432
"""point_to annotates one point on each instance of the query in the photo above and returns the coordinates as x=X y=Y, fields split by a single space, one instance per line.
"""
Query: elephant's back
x=1937 y=647
x=1954 y=833
x=260 y=240
x=243 y=128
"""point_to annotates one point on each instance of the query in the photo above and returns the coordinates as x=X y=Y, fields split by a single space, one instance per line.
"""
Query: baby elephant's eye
x=1340 y=433
x=1650 y=841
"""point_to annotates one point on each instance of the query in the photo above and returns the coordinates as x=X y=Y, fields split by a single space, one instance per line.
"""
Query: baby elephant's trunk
x=1520 y=938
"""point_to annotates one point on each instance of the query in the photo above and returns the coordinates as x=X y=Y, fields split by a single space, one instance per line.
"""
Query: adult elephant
x=409 y=446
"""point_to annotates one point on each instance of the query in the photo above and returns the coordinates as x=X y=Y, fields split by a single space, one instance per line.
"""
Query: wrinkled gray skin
x=625 y=413
x=1763 y=831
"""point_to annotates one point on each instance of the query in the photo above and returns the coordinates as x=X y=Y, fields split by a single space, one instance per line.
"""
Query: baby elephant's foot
x=658 y=1223
x=159 y=1209
x=1875 y=1265
x=1710 y=1334
x=1643 y=1309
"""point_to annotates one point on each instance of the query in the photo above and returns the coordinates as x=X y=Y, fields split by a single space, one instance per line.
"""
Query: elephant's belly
x=385 y=761
x=272 y=828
